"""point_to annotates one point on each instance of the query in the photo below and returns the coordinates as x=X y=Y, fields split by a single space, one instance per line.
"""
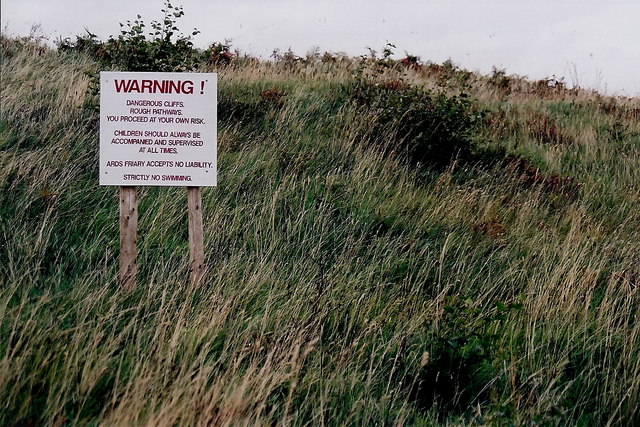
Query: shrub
x=430 y=129
x=132 y=51
x=249 y=110
x=499 y=80
x=411 y=61
x=165 y=48
x=460 y=368
x=219 y=53
x=87 y=43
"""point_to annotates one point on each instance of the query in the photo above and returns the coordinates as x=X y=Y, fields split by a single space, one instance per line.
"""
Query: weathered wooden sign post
x=196 y=238
x=128 y=236
x=158 y=129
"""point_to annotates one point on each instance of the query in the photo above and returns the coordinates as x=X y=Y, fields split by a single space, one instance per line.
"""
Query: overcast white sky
x=592 y=43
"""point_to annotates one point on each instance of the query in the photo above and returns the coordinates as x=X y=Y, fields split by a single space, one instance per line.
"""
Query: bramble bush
x=164 y=48
x=461 y=366
x=428 y=128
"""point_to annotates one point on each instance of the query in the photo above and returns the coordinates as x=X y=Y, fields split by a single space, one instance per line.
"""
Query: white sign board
x=158 y=129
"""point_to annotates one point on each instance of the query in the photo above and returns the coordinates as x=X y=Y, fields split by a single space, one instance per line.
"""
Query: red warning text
x=154 y=86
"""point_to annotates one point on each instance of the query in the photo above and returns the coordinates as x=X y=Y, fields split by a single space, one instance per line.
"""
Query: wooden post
x=128 y=237
x=196 y=239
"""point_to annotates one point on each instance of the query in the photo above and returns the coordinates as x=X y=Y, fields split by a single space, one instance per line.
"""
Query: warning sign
x=158 y=129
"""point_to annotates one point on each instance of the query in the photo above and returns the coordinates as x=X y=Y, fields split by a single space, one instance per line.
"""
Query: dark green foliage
x=251 y=108
x=466 y=347
x=87 y=43
x=427 y=128
x=164 y=48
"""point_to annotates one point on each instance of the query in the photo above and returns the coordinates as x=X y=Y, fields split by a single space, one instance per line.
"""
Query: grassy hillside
x=390 y=243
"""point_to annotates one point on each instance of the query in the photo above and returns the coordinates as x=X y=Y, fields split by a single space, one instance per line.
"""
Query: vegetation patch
x=426 y=128
x=382 y=249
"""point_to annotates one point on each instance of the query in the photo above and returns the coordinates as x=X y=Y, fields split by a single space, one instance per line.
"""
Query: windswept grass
x=348 y=283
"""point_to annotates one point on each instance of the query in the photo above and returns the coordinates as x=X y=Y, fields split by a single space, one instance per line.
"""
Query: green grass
x=347 y=283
